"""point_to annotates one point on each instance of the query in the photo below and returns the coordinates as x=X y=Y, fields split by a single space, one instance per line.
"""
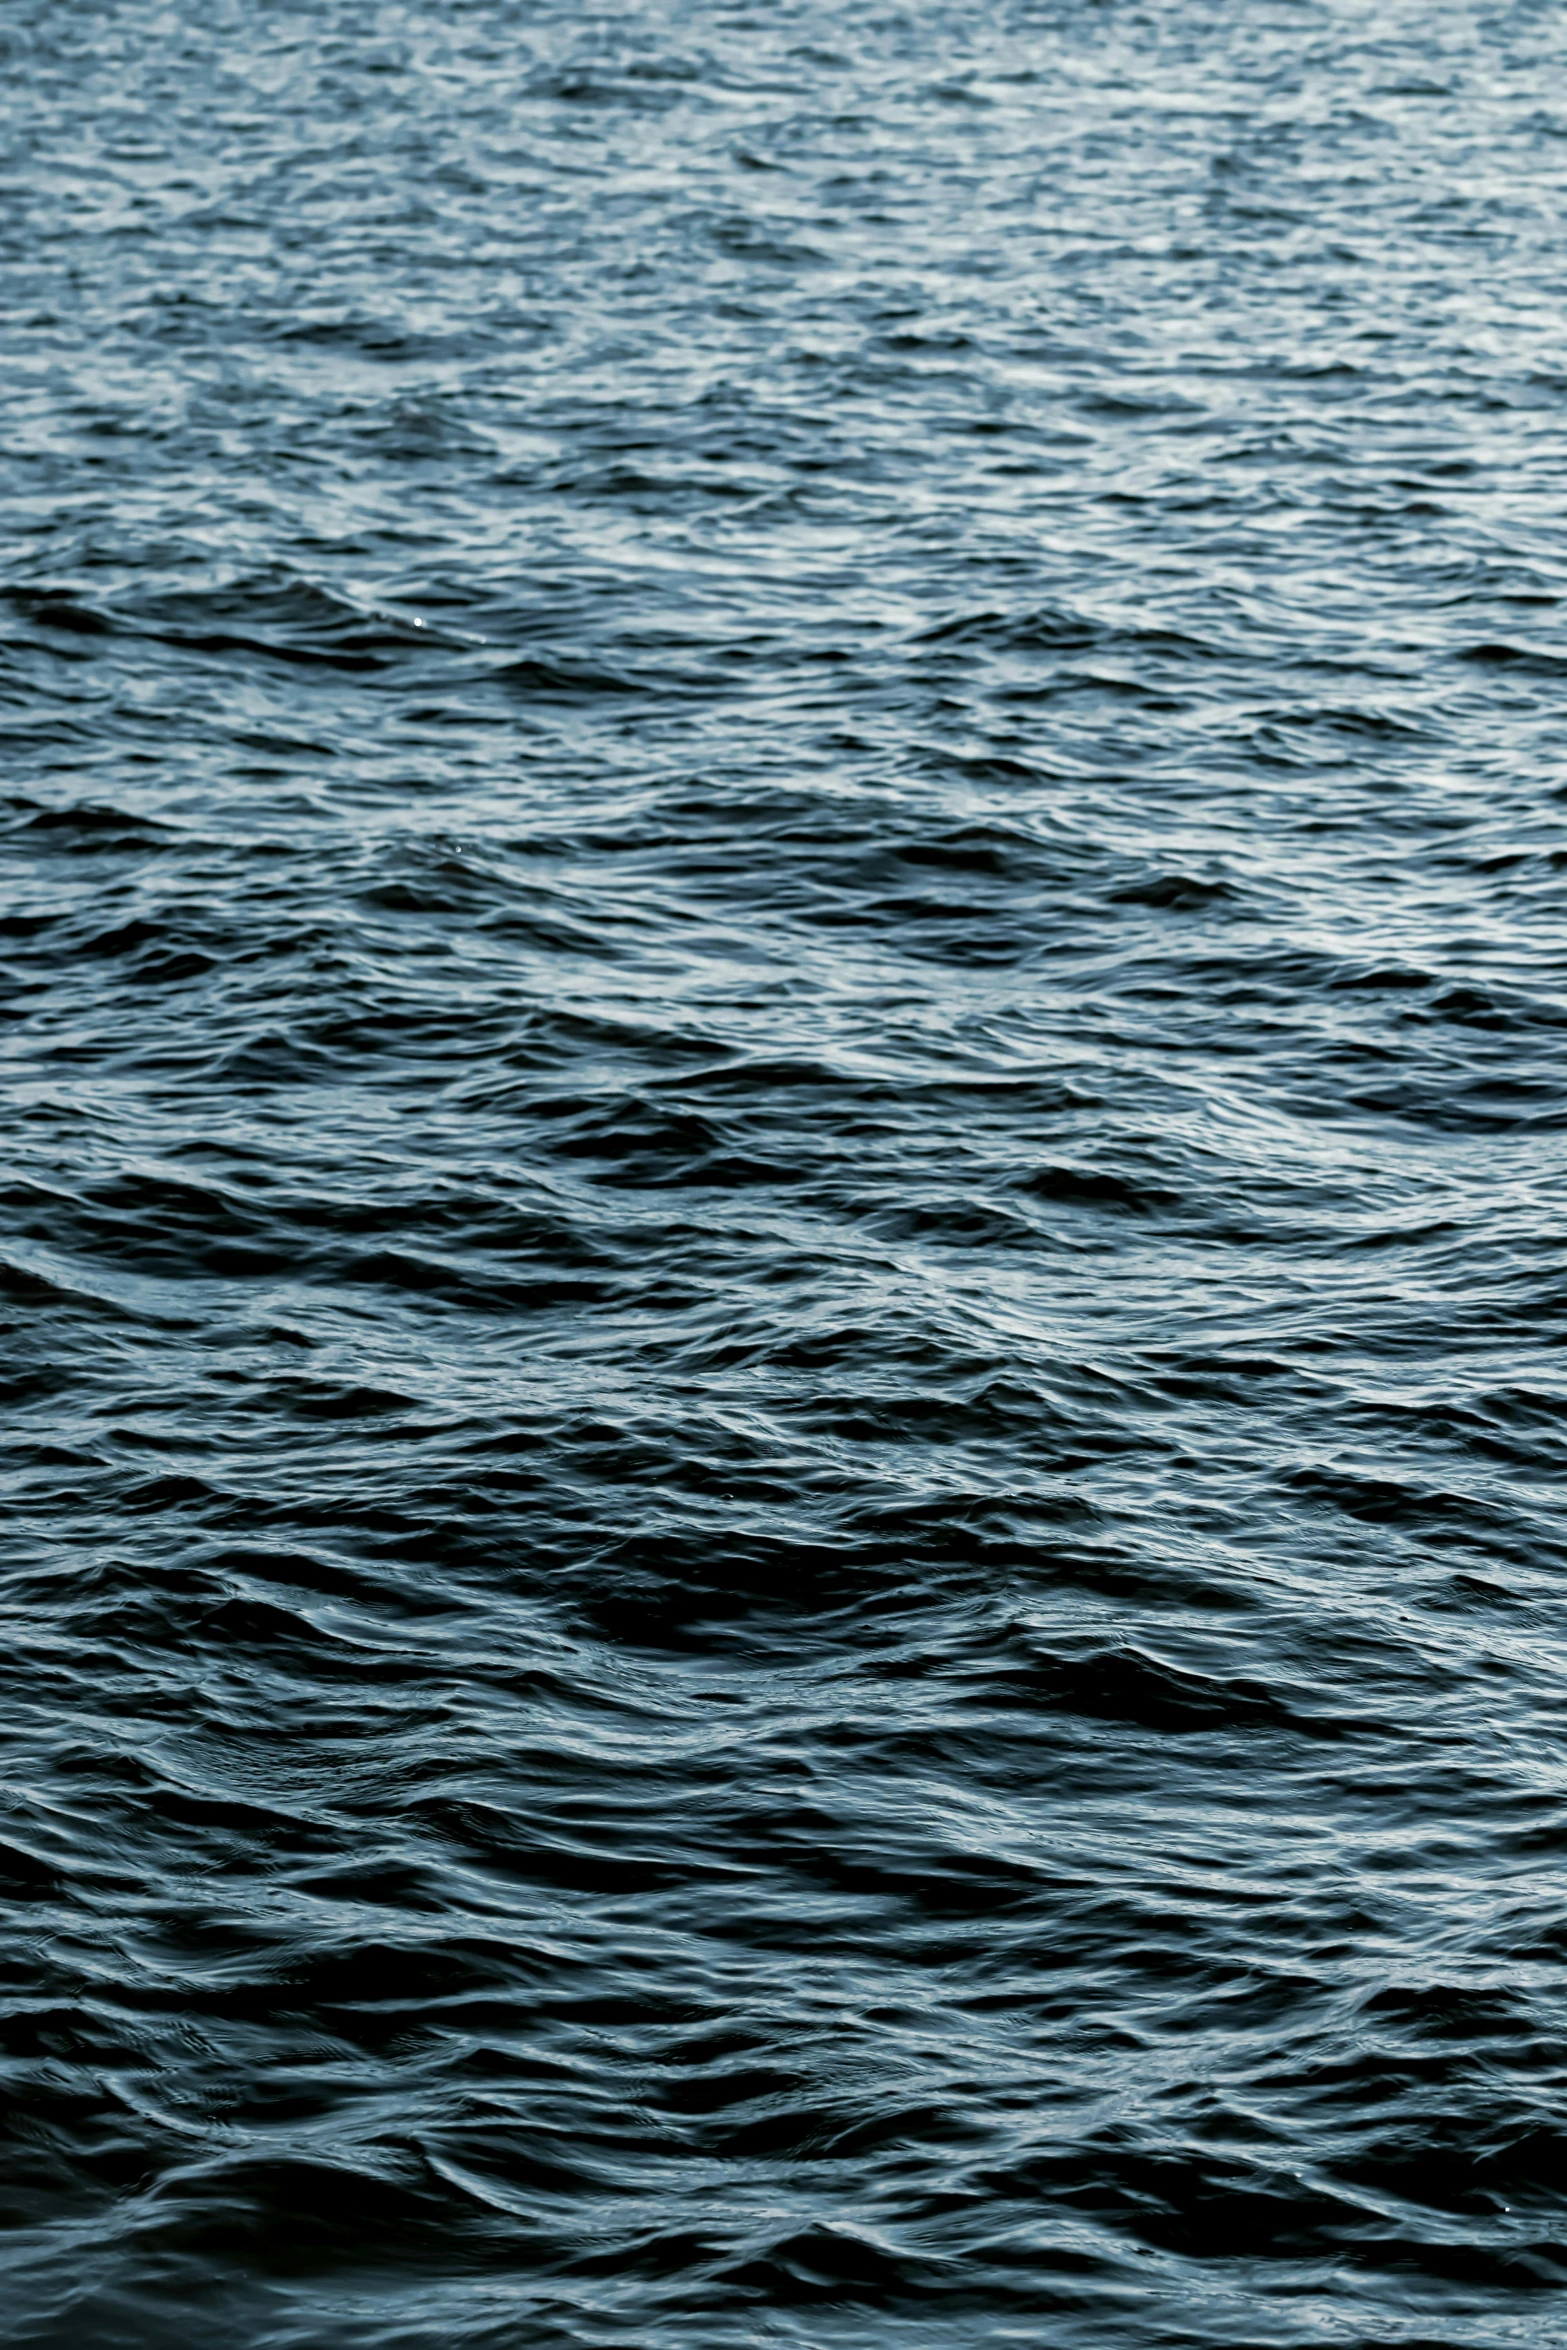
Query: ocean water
x=785 y=844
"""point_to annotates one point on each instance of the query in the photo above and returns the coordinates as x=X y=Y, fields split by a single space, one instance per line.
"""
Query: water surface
x=785 y=1085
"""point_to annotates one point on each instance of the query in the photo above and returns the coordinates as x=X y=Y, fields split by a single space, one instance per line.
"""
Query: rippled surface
x=785 y=1087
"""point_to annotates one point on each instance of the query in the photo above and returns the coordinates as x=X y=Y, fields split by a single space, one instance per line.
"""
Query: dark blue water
x=786 y=1072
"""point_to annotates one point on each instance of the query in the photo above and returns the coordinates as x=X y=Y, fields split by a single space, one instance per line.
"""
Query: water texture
x=785 y=846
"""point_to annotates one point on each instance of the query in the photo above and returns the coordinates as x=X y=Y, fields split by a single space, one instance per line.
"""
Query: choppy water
x=785 y=1082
